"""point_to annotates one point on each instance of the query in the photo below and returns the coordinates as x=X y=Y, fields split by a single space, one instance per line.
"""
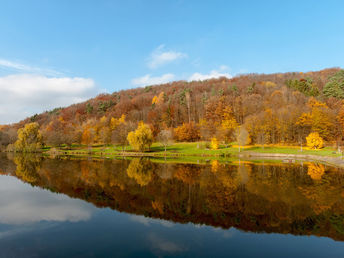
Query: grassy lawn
x=294 y=150
x=199 y=149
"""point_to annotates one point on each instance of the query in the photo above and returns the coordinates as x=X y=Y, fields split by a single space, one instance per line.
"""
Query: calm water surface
x=144 y=208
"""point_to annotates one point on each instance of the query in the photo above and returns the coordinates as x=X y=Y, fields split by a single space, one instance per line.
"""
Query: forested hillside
x=274 y=108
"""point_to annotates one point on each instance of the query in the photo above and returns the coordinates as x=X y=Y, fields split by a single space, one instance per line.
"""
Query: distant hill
x=283 y=95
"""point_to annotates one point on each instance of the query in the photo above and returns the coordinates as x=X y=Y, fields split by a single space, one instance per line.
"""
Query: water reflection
x=299 y=199
x=22 y=204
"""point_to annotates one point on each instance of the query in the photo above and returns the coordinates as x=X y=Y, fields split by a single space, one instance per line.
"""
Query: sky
x=58 y=52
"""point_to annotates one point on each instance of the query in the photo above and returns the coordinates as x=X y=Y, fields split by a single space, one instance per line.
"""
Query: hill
x=274 y=108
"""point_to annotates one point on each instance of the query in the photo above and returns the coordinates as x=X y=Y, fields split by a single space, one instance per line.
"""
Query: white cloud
x=149 y=80
x=221 y=72
x=19 y=67
x=160 y=57
x=22 y=95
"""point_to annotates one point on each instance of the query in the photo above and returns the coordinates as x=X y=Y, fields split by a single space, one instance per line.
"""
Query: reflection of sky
x=148 y=221
x=21 y=204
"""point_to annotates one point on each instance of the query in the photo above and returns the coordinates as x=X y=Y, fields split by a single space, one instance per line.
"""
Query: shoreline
x=230 y=154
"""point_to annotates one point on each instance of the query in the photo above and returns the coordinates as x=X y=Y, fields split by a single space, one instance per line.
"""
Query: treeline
x=275 y=108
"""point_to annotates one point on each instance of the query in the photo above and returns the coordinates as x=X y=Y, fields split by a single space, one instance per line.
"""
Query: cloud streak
x=160 y=57
x=149 y=80
x=23 y=68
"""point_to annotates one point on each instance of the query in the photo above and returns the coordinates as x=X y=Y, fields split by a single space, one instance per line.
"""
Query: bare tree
x=120 y=134
x=165 y=137
x=242 y=136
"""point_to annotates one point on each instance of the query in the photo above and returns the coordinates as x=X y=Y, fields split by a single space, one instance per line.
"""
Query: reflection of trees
x=27 y=167
x=272 y=198
x=141 y=171
x=316 y=171
x=320 y=193
x=158 y=205
x=219 y=189
x=215 y=166
x=189 y=174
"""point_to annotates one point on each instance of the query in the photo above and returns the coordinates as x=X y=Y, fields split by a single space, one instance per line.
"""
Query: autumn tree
x=104 y=130
x=214 y=144
x=188 y=132
x=72 y=134
x=53 y=134
x=219 y=119
x=314 y=141
x=88 y=135
x=29 y=138
x=319 y=119
x=142 y=138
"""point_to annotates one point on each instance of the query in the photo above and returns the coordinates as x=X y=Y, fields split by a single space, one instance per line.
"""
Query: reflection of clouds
x=20 y=203
x=161 y=244
x=148 y=221
x=226 y=233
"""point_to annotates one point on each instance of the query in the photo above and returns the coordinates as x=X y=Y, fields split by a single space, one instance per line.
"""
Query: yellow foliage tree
x=314 y=141
x=88 y=135
x=157 y=100
x=116 y=122
x=141 y=138
x=318 y=119
x=214 y=144
x=29 y=138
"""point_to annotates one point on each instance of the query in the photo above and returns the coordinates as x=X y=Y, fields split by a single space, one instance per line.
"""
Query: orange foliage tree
x=188 y=132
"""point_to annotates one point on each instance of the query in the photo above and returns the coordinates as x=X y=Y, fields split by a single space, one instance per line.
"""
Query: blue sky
x=72 y=50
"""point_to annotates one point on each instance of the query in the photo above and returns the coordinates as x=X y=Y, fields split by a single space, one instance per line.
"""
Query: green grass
x=292 y=150
x=196 y=149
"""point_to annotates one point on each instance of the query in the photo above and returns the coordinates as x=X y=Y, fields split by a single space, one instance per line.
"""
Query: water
x=145 y=208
